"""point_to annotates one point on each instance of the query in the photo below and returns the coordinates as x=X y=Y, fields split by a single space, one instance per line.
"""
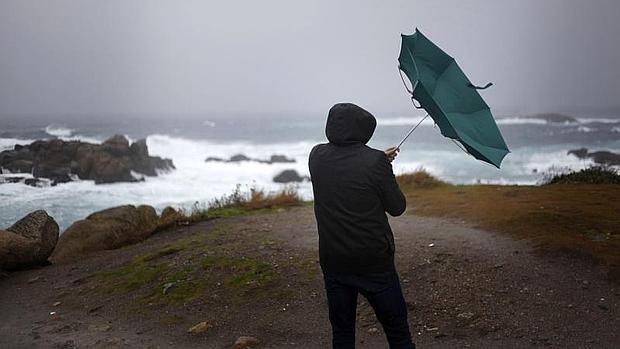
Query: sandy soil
x=465 y=288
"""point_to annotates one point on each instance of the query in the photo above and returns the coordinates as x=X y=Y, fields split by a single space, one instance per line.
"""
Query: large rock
x=28 y=242
x=106 y=230
x=289 y=176
x=603 y=157
x=112 y=161
x=273 y=159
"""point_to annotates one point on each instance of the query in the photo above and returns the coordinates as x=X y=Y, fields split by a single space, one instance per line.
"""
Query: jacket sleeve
x=393 y=200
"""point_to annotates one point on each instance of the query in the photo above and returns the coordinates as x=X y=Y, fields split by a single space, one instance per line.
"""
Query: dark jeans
x=383 y=292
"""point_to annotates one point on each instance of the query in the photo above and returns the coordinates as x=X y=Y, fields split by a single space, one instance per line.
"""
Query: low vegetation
x=418 y=179
x=581 y=219
x=189 y=268
x=591 y=175
x=242 y=202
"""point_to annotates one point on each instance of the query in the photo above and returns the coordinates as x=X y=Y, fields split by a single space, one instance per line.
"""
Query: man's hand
x=391 y=153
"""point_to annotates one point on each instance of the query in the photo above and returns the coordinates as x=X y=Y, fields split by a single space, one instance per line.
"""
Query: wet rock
x=273 y=159
x=238 y=158
x=245 y=342
x=11 y=179
x=28 y=242
x=606 y=158
x=112 y=161
x=289 y=176
x=214 y=159
x=35 y=182
x=277 y=158
x=106 y=230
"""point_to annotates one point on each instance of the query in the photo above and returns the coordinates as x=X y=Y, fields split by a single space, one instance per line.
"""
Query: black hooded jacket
x=353 y=188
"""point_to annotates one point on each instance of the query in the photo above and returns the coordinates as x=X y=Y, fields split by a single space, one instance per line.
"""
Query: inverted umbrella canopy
x=443 y=90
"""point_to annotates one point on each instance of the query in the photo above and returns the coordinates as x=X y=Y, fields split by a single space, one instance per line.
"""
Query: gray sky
x=122 y=56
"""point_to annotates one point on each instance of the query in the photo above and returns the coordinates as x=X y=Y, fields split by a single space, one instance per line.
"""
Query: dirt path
x=464 y=288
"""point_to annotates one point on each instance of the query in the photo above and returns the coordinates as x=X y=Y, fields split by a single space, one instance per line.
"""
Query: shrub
x=419 y=178
x=591 y=175
x=240 y=202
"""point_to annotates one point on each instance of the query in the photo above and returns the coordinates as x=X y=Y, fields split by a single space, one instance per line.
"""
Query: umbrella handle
x=470 y=85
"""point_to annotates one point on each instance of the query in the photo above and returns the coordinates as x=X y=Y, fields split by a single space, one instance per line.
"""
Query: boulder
x=169 y=216
x=106 y=230
x=289 y=176
x=28 y=242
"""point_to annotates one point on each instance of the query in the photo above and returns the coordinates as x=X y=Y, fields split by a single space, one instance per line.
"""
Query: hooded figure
x=354 y=187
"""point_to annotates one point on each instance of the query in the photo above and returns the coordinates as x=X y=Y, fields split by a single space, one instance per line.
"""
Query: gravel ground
x=465 y=288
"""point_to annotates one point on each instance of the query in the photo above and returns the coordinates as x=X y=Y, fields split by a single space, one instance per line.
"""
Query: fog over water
x=96 y=58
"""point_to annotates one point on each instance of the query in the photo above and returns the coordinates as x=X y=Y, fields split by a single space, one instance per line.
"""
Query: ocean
x=536 y=145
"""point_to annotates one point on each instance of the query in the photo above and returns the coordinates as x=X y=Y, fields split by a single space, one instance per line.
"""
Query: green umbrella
x=442 y=89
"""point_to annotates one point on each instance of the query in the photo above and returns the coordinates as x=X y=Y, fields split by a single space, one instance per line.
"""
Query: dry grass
x=418 y=179
x=581 y=219
x=240 y=202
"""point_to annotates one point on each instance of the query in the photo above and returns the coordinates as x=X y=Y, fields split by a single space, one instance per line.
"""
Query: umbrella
x=446 y=94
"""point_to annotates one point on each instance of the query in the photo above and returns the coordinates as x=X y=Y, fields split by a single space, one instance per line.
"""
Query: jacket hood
x=348 y=123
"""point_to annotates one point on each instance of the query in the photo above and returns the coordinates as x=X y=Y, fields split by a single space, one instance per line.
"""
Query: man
x=353 y=188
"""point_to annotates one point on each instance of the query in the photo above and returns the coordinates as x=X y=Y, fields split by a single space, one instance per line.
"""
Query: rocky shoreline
x=59 y=161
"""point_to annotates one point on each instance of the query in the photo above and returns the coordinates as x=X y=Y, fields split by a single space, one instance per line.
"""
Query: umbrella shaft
x=411 y=131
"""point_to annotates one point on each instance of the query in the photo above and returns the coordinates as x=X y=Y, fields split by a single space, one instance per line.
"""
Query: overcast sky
x=109 y=56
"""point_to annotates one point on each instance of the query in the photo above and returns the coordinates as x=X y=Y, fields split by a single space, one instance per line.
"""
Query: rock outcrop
x=28 y=242
x=112 y=161
x=289 y=176
x=603 y=157
x=273 y=159
x=106 y=230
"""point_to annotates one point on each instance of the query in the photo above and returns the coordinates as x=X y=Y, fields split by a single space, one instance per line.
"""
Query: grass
x=418 y=179
x=195 y=265
x=240 y=203
x=580 y=219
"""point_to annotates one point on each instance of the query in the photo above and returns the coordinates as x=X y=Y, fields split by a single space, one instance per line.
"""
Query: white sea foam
x=598 y=120
x=9 y=143
x=68 y=134
x=520 y=121
x=585 y=129
x=58 y=131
